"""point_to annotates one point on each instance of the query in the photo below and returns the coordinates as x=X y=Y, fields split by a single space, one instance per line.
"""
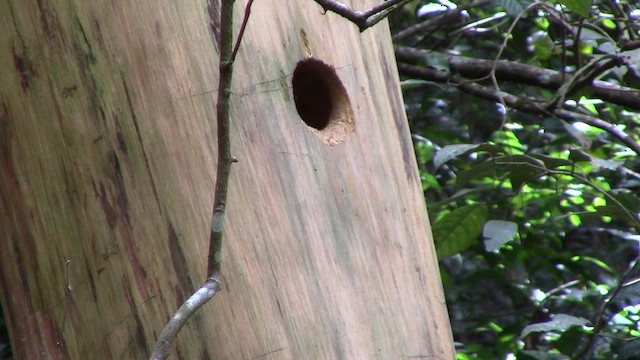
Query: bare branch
x=245 y=20
x=223 y=122
x=438 y=21
x=512 y=101
x=163 y=346
x=471 y=68
x=363 y=19
x=228 y=53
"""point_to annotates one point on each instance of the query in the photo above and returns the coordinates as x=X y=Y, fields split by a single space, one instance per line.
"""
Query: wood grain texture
x=107 y=160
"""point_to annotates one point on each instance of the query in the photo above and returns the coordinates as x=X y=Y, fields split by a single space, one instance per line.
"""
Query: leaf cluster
x=530 y=170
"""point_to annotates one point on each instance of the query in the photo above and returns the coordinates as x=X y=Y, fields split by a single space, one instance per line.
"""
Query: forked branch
x=363 y=19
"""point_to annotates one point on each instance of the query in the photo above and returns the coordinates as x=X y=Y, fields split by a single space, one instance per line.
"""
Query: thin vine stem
x=224 y=143
x=212 y=284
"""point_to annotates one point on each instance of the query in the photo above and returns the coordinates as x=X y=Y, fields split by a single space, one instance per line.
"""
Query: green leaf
x=594 y=261
x=459 y=230
x=522 y=168
x=498 y=233
x=600 y=164
x=411 y=84
x=570 y=341
x=628 y=199
x=608 y=23
x=450 y=152
x=610 y=210
x=436 y=60
x=552 y=162
x=559 y=323
x=542 y=44
x=540 y=355
x=580 y=136
x=629 y=349
x=513 y=7
x=581 y=7
x=487 y=168
x=579 y=155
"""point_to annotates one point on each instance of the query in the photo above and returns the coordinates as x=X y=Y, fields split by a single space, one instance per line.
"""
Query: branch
x=163 y=346
x=212 y=285
x=515 y=102
x=598 y=322
x=472 y=68
x=363 y=19
x=245 y=20
x=437 y=22
x=227 y=57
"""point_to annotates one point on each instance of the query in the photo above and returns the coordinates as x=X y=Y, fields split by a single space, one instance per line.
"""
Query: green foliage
x=559 y=323
x=458 y=230
x=497 y=233
x=536 y=215
x=581 y=7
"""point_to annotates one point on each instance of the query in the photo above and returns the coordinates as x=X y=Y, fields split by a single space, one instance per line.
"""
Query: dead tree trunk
x=106 y=183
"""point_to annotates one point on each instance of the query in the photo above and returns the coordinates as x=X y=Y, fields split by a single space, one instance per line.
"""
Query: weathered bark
x=107 y=162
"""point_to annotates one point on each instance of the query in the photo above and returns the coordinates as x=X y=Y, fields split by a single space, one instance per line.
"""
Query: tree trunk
x=107 y=159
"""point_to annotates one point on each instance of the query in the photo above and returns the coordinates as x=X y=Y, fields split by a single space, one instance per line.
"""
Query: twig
x=163 y=346
x=492 y=74
x=245 y=20
x=543 y=170
x=438 y=21
x=515 y=102
x=598 y=323
x=224 y=143
x=363 y=19
x=212 y=285
x=505 y=70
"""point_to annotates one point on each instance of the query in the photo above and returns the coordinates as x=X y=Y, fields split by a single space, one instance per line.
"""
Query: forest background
x=525 y=122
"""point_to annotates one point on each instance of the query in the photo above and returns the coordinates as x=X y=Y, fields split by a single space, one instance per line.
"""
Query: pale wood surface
x=107 y=160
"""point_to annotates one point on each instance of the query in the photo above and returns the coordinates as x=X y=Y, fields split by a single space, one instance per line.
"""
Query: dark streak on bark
x=122 y=145
x=85 y=58
x=5 y=133
x=107 y=209
x=26 y=241
x=134 y=119
x=180 y=265
x=269 y=353
x=92 y=280
x=48 y=20
x=89 y=52
x=114 y=173
x=25 y=70
x=139 y=273
x=139 y=328
x=213 y=7
x=97 y=34
x=399 y=119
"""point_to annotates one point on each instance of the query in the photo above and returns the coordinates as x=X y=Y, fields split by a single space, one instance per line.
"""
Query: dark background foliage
x=530 y=170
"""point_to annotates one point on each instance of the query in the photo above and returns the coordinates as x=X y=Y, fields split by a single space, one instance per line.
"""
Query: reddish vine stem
x=245 y=20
